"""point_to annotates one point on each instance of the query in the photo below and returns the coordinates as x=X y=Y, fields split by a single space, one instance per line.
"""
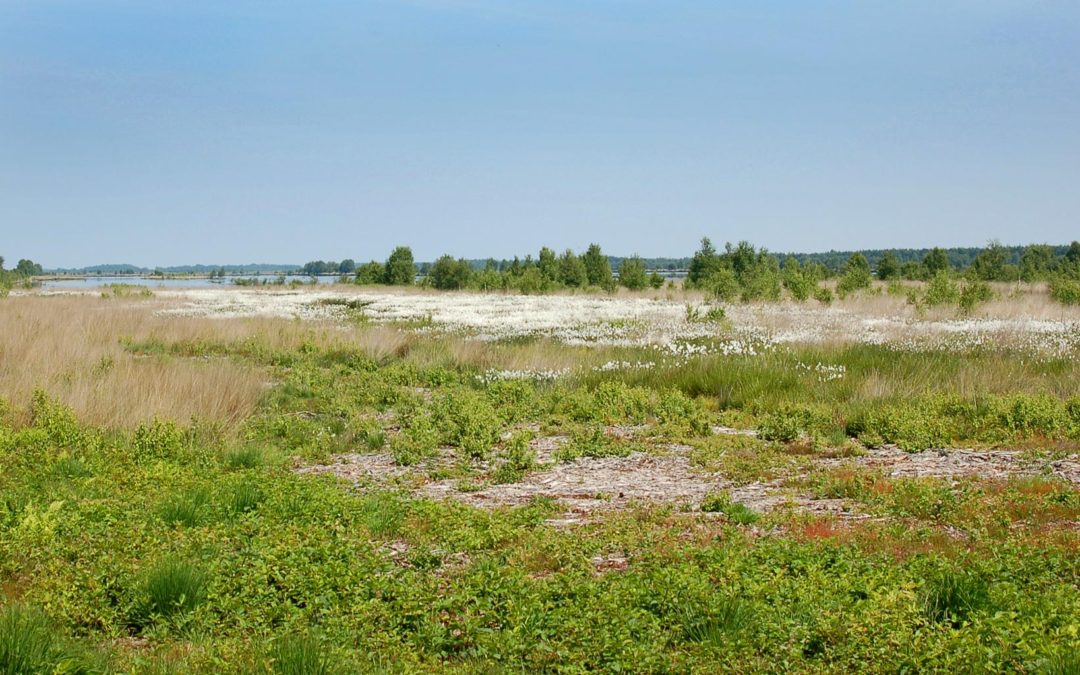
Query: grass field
x=344 y=480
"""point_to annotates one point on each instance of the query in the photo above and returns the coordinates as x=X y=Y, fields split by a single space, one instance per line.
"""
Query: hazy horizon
x=160 y=133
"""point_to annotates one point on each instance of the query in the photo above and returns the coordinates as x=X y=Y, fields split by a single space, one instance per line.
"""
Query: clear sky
x=235 y=131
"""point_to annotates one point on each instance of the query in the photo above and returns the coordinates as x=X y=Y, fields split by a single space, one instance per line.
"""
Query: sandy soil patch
x=961 y=463
x=588 y=487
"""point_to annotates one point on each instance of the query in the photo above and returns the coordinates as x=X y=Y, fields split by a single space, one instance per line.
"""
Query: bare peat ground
x=588 y=487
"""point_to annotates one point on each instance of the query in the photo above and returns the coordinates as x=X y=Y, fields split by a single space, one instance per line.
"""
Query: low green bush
x=466 y=419
x=720 y=502
x=517 y=459
x=615 y=401
x=1065 y=290
x=792 y=423
x=159 y=439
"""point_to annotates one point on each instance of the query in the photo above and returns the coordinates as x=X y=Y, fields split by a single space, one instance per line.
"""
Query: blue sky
x=165 y=133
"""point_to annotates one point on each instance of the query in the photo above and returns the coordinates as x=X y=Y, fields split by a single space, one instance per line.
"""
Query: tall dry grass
x=70 y=347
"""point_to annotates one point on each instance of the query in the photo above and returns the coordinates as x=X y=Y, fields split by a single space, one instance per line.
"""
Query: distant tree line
x=547 y=272
x=737 y=272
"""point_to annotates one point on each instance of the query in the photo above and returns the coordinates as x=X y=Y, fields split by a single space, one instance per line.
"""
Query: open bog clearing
x=418 y=481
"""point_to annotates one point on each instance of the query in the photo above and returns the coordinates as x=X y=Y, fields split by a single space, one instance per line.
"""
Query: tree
x=856 y=275
x=400 y=270
x=28 y=268
x=450 y=274
x=632 y=273
x=796 y=280
x=989 y=265
x=655 y=280
x=1072 y=256
x=888 y=268
x=548 y=265
x=370 y=273
x=937 y=260
x=757 y=272
x=912 y=270
x=1 y=263
x=572 y=270
x=722 y=283
x=597 y=267
x=317 y=267
x=347 y=266
x=1036 y=262
x=703 y=264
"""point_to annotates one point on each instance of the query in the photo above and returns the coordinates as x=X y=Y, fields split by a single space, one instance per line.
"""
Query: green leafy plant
x=720 y=502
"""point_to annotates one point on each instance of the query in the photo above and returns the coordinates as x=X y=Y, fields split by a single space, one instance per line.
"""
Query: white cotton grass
x=603 y=321
x=823 y=371
x=495 y=375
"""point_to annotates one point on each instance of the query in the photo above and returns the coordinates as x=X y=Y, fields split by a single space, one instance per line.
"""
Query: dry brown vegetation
x=71 y=348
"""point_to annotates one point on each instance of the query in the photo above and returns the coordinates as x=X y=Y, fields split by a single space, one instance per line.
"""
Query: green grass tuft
x=174 y=587
x=300 y=655
x=26 y=642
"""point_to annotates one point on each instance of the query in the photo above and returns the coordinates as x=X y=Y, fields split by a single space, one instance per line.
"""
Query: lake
x=158 y=282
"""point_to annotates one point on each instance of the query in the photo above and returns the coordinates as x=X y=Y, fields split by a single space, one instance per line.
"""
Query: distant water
x=157 y=282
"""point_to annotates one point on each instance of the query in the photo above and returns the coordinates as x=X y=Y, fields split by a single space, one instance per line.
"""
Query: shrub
x=941 y=290
x=617 y=401
x=416 y=442
x=160 y=439
x=513 y=399
x=467 y=420
x=974 y=293
x=915 y=426
x=708 y=314
x=518 y=459
x=723 y=284
x=823 y=295
x=791 y=423
x=1026 y=414
x=679 y=413
x=56 y=420
x=856 y=276
x=1065 y=290
x=173 y=587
